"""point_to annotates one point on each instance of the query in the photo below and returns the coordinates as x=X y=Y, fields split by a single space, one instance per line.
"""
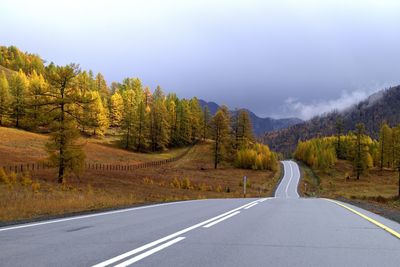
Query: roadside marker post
x=244 y=186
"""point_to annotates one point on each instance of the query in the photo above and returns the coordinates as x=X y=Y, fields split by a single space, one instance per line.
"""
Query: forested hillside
x=260 y=125
x=372 y=112
x=67 y=102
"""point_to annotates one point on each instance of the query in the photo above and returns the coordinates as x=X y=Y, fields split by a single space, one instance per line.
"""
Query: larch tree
x=396 y=148
x=98 y=119
x=102 y=88
x=339 y=127
x=62 y=97
x=184 y=117
x=128 y=118
x=18 y=88
x=5 y=98
x=171 y=104
x=385 y=146
x=159 y=130
x=35 y=108
x=360 y=160
x=221 y=131
x=206 y=123
x=116 y=110
x=196 y=119
x=243 y=129
x=142 y=129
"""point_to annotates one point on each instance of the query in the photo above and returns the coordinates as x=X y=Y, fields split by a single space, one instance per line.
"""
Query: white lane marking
x=252 y=205
x=298 y=178
x=282 y=181
x=149 y=252
x=92 y=215
x=161 y=240
x=290 y=180
x=222 y=219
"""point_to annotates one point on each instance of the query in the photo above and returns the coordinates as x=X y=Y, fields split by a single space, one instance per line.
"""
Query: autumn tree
x=5 y=98
x=36 y=114
x=360 y=156
x=97 y=119
x=102 y=88
x=141 y=126
x=339 y=126
x=396 y=149
x=243 y=129
x=221 y=130
x=116 y=109
x=183 y=134
x=206 y=123
x=128 y=118
x=62 y=97
x=18 y=88
x=385 y=146
x=159 y=129
x=196 y=118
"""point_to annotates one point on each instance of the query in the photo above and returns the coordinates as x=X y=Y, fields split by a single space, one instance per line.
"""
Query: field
x=37 y=194
x=377 y=187
x=18 y=146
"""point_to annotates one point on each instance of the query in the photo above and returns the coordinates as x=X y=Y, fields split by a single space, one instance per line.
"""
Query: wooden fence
x=18 y=168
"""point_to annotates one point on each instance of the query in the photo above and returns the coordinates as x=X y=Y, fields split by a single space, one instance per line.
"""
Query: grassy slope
x=375 y=186
x=189 y=178
x=17 y=146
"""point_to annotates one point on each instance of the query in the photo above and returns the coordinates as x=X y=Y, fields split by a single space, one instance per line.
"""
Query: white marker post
x=244 y=186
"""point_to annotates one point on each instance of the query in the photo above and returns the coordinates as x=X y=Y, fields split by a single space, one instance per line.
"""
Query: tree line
x=356 y=146
x=235 y=143
x=68 y=102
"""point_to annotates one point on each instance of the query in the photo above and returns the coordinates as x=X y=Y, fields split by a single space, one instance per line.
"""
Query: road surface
x=282 y=231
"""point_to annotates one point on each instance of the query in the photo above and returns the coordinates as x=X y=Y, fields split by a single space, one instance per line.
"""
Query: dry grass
x=18 y=147
x=375 y=186
x=192 y=177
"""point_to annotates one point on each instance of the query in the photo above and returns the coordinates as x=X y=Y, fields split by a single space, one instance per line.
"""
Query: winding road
x=284 y=230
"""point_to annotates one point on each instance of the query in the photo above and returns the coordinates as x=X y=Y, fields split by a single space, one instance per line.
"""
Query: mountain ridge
x=382 y=106
x=260 y=125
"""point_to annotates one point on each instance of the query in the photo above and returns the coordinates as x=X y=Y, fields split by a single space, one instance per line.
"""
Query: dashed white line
x=149 y=252
x=166 y=238
x=290 y=180
x=252 y=205
x=222 y=219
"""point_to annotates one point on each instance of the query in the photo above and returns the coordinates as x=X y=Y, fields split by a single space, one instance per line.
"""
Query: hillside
x=18 y=147
x=37 y=194
x=260 y=125
x=379 y=107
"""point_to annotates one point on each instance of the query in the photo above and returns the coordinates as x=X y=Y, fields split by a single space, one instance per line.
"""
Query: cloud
x=306 y=111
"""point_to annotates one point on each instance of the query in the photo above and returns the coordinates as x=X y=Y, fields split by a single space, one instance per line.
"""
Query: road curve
x=281 y=231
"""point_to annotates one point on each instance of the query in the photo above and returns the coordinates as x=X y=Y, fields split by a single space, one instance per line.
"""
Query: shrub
x=186 y=184
x=35 y=186
x=176 y=183
x=4 y=177
x=25 y=179
x=257 y=157
x=12 y=177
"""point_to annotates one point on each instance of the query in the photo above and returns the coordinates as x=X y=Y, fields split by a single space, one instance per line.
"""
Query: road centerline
x=166 y=238
x=223 y=218
x=150 y=252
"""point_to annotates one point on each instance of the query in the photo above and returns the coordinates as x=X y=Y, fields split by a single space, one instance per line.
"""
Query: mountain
x=383 y=106
x=260 y=125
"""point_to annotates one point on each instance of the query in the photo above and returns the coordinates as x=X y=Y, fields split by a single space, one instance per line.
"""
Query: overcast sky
x=278 y=58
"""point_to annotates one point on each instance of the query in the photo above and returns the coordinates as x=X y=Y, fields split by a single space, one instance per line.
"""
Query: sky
x=278 y=58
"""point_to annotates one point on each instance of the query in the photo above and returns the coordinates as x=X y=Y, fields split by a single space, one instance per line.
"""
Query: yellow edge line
x=384 y=227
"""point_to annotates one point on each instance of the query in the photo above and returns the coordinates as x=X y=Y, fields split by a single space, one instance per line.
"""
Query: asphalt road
x=282 y=231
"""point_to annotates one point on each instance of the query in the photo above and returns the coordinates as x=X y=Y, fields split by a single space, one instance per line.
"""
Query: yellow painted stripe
x=384 y=227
